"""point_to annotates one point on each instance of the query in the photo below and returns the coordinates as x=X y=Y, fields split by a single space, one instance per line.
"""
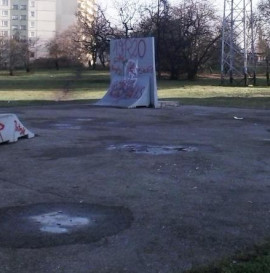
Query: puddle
x=152 y=149
x=266 y=141
x=48 y=225
x=64 y=123
x=58 y=222
x=63 y=126
x=79 y=123
x=84 y=119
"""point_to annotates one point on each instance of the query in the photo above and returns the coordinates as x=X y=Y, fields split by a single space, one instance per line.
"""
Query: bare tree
x=27 y=48
x=93 y=35
x=186 y=33
x=13 y=53
x=16 y=51
x=55 y=50
x=62 y=46
x=200 y=33
x=264 y=34
x=3 y=52
x=128 y=12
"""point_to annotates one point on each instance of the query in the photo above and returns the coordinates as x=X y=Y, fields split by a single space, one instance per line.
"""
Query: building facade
x=65 y=14
x=39 y=20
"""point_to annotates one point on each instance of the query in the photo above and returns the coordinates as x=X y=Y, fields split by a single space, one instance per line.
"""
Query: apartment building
x=65 y=14
x=39 y=20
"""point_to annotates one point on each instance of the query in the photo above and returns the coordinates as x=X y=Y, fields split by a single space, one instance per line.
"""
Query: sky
x=218 y=3
x=113 y=16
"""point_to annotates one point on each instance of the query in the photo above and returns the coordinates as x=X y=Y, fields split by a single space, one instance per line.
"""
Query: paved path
x=205 y=199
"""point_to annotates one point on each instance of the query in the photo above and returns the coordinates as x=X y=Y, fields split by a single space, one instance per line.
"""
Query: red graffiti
x=125 y=49
x=126 y=89
x=2 y=126
x=145 y=70
x=116 y=69
x=141 y=48
x=19 y=128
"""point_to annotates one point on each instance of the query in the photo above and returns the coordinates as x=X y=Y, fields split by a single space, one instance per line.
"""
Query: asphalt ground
x=192 y=184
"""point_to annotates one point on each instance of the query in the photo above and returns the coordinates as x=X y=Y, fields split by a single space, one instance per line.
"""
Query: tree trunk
x=56 y=64
x=94 y=66
x=192 y=73
x=102 y=60
x=27 y=67
x=89 y=64
x=267 y=72
x=174 y=73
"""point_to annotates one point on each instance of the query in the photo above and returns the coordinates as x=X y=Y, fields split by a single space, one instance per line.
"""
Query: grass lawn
x=256 y=260
x=85 y=85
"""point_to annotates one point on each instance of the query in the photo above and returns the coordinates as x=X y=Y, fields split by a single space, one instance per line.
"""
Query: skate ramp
x=133 y=75
x=130 y=93
x=11 y=129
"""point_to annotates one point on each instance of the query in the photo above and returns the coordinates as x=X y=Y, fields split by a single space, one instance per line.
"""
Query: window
x=4 y=33
x=32 y=34
x=32 y=4
x=32 y=14
x=15 y=7
x=4 y=12
x=23 y=27
x=23 y=17
x=15 y=17
x=32 y=24
x=4 y=2
x=23 y=7
x=4 y=23
x=14 y=27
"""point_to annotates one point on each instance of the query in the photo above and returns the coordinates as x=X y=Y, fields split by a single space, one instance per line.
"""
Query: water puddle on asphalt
x=58 y=222
x=54 y=224
x=72 y=124
x=63 y=126
x=152 y=149
x=84 y=119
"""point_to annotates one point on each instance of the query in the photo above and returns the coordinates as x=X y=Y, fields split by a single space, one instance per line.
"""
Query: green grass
x=53 y=85
x=86 y=85
x=209 y=92
x=256 y=260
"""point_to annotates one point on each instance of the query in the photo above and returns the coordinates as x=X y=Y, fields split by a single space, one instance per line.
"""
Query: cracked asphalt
x=203 y=202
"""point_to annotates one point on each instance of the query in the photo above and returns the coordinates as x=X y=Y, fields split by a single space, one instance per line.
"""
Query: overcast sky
x=113 y=16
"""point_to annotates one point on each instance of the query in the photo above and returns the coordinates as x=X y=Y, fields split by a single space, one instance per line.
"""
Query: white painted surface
x=11 y=129
x=133 y=74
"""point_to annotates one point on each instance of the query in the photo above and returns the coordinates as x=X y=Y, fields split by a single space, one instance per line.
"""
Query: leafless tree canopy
x=15 y=51
x=264 y=34
x=93 y=36
x=187 y=35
